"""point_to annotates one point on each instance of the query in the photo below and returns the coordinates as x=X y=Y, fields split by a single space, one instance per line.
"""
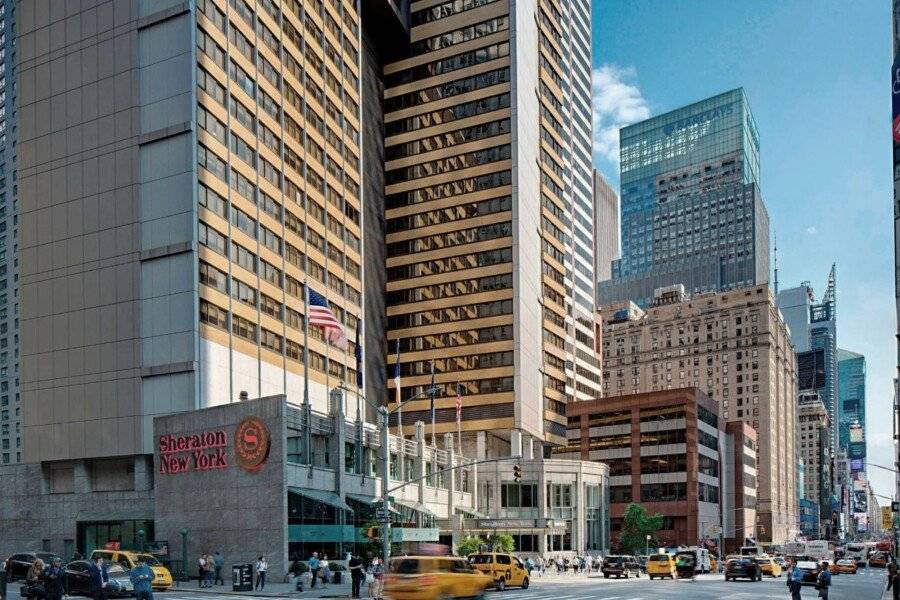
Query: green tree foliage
x=469 y=545
x=636 y=526
x=501 y=542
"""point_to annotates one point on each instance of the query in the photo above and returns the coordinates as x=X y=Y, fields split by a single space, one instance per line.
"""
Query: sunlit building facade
x=489 y=216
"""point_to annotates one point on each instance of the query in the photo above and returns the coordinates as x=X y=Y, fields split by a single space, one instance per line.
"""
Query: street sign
x=382 y=515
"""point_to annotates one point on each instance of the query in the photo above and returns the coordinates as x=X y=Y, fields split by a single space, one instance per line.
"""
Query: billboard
x=887 y=517
x=855 y=431
x=857 y=464
x=856 y=450
x=895 y=101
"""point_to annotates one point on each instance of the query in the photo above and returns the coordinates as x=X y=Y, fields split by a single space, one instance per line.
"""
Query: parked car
x=434 y=578
x=78 y=579
x=162 y=578
x=504 y=569
x=878 y=559
x=743 y=568
x=621 y=566
x=662 y=566
x=20 y=562
x=768 y=566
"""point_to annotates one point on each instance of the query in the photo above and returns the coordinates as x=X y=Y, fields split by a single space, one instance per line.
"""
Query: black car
x=743 y=568
x=18 y=564
x=78 y=579
x=621 y=566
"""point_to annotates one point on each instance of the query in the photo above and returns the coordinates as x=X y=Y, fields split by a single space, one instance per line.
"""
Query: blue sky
x=817 y=74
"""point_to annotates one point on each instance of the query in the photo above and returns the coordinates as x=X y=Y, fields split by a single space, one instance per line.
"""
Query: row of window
x=454 y=313
x=447 y=115
x=450 y=239
x=449 y=139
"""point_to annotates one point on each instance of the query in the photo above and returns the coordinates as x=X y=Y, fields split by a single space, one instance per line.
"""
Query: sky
x=817 y=75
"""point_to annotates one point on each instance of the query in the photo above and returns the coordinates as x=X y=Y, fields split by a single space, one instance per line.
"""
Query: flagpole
x=458 y=417
x=401 y=453
x=431 y=392
x=306 y=407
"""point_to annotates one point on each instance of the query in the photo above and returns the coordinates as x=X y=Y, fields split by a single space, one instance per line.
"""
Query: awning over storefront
x=416 y=506
x=329 y=498
x=471 y=512
x=369 y=501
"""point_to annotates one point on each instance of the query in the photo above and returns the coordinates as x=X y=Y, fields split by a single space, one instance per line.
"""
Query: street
x=868 y=584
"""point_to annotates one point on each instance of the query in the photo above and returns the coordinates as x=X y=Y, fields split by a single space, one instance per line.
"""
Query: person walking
x=356 y=574
x=142 y=577
x=326 y=571
x=823 y=581
x=894 y=580
x=313 y=564
x=218 y=563
x=99 y=579
x=201 y=571
x=55 y=580
x=795 y=581
x=34 y=580
x=210 y=570
x=262 y=566
x=373 y=578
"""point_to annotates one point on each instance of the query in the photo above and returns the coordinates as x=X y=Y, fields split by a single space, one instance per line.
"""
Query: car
x=878 y=559
x=621 y=566
x=19 y=563
x=743 y=568
x=713 y=564
x=162 y=578
x=768 y=566
x=504 y=569
x=78 y=579
x=781 y=562
x=846 y=565
x=810 y=570
x=434 y=578
x=662 y=566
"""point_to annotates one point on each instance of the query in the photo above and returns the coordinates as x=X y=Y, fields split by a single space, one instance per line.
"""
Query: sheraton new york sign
x=208 y=450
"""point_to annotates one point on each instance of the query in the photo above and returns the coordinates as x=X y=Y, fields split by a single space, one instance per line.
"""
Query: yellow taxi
x=844 y=565
x=877 y=559
x=768 y=566
x=433 y=578
x=713 y=564
x=661 y=565
x=162 y=578
x=504 y=569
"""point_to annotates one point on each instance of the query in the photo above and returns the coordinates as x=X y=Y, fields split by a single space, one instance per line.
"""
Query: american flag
x=458 y=404
x=320 y=315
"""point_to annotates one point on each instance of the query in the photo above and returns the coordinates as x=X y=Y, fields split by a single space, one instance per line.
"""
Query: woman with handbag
x=34 y=581
x=373 y=578
x=326 y=571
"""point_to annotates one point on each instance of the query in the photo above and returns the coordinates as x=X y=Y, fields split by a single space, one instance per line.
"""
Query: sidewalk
x=274 y=590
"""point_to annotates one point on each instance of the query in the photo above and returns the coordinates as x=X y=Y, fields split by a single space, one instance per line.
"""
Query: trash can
x=242 y=577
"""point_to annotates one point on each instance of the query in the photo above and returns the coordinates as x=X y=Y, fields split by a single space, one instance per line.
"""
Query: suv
x=433 y=578
x=620 y=566
x=744 y=567
x=18 y=564
x=504 y=569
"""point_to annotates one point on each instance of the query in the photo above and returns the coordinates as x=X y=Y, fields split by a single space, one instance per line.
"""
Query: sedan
x=742 y=568
x=78 y=579
x=846 y=565
x=19 y=563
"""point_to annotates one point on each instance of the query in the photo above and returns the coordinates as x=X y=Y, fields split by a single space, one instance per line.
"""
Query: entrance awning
x=416 y=506
x=369 y=501
x=329 y=498
x=471 y=512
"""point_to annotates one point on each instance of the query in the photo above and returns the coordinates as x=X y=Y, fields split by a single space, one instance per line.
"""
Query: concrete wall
x=241 y=514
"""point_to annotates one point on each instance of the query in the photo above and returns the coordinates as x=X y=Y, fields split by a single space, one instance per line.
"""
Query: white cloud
x=617 y=102
x=812 y=230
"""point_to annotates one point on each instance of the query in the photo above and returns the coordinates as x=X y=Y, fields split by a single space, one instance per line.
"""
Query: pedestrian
x=201 y=571
x=313 y=564
x=3 y=577
x=894 y=580
x=55 y=580
x=795 y=581
x=34 y=580
x=529 y=565
x=823 y=581
x=326 y=571
x=373 y=578
x=99 y=579
x=261 y=567
x=142 y=578
x=210 y=570
x=356 y=574
x=218 y=563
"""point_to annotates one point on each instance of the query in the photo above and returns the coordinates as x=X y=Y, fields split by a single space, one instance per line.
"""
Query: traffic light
x=372 y=532
x=517 y=472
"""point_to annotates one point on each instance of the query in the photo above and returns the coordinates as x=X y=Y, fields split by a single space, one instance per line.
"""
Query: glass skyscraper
x=852 y=407
x=692 y=212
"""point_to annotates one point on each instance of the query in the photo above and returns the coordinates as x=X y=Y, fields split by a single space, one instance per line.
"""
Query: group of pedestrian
x=370 y=572
x=209 y=567
x=45 y=581
x=795 y=580
x=319 y=567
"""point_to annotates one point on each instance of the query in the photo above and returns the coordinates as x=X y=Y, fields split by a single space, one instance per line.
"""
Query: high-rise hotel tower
x=489 y=216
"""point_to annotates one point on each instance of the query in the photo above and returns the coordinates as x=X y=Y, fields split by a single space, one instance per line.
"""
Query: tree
x=502 y=542
x=470 y=545
x=636 y=526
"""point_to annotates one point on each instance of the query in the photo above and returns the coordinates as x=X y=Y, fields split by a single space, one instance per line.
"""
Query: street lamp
x=184 y=572
x=140 y=540
x=647 y=546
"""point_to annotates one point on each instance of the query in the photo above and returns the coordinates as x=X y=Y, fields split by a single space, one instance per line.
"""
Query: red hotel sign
x=207 y=451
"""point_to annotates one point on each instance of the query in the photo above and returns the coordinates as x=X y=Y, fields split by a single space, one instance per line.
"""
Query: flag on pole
x=320 y=315
x=397 y=394
x=459 y=418
x=432 y=393
x=358 y=353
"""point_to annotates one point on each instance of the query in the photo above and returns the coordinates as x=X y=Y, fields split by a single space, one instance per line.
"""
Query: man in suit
x=99 y=579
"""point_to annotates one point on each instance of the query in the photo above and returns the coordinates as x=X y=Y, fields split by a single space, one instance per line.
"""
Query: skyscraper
x=692 y=212
x=489 y=209
x=852 y=407
x=606 y=226
x=185 y=168
x=10 y=402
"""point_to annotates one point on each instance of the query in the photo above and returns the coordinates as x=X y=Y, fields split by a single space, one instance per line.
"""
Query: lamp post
x=140 y=540
x=647 y=546
x=184 y=567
